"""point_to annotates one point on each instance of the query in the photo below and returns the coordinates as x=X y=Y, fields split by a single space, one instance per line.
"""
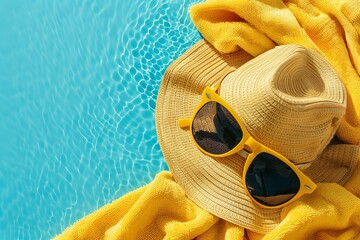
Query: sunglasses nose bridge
x=251 y=145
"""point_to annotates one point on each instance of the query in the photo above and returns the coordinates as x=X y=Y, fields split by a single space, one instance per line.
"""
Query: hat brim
x=215 y=184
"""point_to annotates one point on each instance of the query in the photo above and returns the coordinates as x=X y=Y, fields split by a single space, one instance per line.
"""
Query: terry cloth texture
x=161 y=210
x=330 y=27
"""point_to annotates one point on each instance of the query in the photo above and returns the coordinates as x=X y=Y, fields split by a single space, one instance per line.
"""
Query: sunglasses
x=270 y=179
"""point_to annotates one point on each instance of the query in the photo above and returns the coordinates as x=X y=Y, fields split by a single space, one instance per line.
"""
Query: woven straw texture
x=278 y=111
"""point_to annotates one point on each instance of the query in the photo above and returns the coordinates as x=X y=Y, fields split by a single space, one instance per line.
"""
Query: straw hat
x=289 y=98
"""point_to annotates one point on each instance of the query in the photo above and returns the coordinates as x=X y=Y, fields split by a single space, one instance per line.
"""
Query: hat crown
x=293 y=103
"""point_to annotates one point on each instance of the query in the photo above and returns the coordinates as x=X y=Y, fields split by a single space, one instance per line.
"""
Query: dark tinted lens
x=215 y=129
x=270 y=181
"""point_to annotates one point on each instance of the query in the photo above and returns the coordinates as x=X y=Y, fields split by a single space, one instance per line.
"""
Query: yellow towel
x=331 y=27
x=161 y=210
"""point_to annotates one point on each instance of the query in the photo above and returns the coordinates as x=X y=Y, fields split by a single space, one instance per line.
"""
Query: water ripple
x=79 y=81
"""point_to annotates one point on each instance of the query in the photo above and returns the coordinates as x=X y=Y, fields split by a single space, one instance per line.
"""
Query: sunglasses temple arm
x=216 y=86
x=184 y=122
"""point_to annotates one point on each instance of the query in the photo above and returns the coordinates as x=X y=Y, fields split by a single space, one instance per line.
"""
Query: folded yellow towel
x=161 y=210
x=330 y=27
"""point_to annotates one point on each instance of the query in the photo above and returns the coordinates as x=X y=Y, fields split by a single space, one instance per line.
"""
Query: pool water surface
x=78 y=86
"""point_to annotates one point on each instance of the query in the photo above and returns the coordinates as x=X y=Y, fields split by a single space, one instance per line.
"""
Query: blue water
x=78 y=85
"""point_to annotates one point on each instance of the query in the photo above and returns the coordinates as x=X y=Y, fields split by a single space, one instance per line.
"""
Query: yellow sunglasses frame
x=249 y=148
